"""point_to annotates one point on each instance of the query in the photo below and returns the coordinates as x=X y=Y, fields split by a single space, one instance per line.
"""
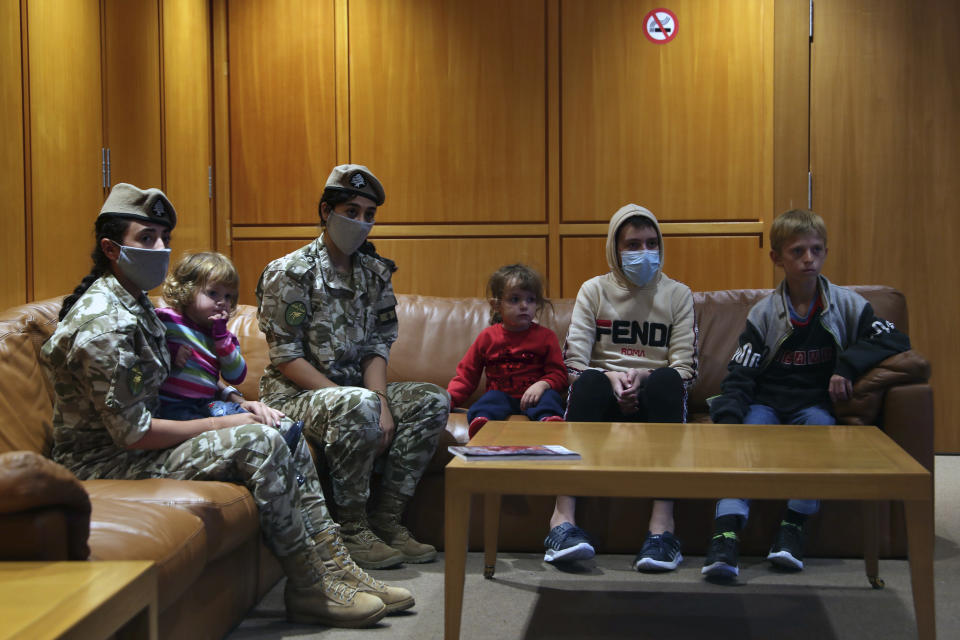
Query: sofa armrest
x=908 y=367
x=39 y=495
x=907 y=417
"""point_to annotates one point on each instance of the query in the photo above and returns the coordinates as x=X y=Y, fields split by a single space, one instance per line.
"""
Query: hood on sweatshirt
x=623 y=214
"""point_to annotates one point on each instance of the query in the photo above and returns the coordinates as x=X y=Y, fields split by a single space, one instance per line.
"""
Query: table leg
x=920 y=553
x=491 y=531
x=871 y=544
x=456 y=526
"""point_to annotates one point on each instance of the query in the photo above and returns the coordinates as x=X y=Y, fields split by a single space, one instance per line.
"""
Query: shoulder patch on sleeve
x=387 y=316
x=135 y=380
x=295 y=314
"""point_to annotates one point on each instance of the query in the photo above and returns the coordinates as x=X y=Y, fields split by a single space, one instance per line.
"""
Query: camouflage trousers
x=344 y=424
x=284 y=484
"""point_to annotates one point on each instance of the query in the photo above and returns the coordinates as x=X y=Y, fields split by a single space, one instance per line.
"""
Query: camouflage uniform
x=336 y=322
x=107 y=360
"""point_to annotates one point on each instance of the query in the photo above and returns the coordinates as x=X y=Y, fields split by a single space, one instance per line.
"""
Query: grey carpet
x=529 y=599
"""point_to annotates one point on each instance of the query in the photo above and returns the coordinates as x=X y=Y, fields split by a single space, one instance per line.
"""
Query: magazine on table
x=514 y=452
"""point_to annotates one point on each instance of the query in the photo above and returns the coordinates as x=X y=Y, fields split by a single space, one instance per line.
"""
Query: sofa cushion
x=227 y=510
x=171 y=537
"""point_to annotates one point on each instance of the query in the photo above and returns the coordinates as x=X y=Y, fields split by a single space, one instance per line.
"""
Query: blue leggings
x=496 y=405
x=762 y=414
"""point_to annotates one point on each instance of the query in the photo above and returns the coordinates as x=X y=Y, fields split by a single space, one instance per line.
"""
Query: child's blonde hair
x=195 y=271
x=514 y=275
x=793 y=223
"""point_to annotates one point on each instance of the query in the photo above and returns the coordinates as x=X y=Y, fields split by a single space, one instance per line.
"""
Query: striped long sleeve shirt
x=211 y=357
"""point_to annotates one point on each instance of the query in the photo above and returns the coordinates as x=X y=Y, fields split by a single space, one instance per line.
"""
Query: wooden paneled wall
x=503 y=131
x=885 y=155
x=80 y=77
x=13 y=192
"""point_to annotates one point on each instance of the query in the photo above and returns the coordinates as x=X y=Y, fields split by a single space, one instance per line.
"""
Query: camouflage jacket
x=307 y=310
x=106 y=361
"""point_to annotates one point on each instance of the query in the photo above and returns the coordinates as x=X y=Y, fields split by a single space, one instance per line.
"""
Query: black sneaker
x=660 y=552
x=567 y=542
x=723 y=557
x=787 y=549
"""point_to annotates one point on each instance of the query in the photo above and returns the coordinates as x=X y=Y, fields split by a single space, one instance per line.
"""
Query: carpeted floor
x=607 y=599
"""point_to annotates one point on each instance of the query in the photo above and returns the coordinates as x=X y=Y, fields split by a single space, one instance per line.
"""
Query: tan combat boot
x=394 y=598
x=316 y=593
x=366 y=549
x=385 y=522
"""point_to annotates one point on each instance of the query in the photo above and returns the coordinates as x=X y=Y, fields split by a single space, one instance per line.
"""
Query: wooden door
x=885 y=153
x=283 y=138
x=188 y=126
x=65 y=138
x=684 y=128
x=13 y=240
x=131 y=89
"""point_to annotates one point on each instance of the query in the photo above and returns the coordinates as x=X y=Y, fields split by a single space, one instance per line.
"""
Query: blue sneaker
x=567 y=542
x=723 y=557
x=660 y=552
x=787 y=549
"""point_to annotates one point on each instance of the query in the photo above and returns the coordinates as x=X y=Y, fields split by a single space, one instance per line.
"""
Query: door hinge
x=210 y=182
x=103 y=167
x=811 y=20
x=109 y=177
x=809 y=190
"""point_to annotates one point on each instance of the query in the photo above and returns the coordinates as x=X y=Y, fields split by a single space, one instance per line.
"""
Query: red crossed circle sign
x=660 y=26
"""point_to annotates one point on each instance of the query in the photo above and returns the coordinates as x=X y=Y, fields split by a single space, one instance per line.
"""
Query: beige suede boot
x=316 y=593
x=394 y=598
x=366 y=549
x=385 y=522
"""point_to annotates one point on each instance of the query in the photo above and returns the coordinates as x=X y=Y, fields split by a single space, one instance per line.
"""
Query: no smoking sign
x=660 y=26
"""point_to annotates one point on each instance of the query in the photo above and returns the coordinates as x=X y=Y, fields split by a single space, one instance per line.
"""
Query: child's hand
x=218 y=324
x=531 y=396
x=183 y=354
x=264 y=414
x=840 y=388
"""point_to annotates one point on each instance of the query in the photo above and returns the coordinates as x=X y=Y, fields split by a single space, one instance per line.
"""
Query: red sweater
x=513 y=361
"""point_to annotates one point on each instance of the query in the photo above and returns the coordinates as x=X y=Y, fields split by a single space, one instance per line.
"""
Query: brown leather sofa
x=205 y=537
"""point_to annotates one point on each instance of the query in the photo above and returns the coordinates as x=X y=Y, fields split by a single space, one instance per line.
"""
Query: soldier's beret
x=151 y=205
x=356 y=179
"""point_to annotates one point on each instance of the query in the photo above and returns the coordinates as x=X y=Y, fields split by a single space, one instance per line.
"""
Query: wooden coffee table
x=695 y=461
x=78 y=600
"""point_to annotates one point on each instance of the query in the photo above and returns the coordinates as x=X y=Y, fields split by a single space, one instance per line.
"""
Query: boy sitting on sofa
x=801 y=350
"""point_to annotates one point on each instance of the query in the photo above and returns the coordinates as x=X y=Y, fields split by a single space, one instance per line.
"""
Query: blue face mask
x=640 y=266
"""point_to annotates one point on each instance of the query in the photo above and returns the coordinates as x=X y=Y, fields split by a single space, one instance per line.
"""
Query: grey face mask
x=145 y=268
x=347 y=234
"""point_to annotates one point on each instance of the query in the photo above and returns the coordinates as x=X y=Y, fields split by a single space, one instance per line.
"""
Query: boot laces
x=332 y=582
x=345 y=562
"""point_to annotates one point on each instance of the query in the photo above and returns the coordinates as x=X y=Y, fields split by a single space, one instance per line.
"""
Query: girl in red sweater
x=522 y=360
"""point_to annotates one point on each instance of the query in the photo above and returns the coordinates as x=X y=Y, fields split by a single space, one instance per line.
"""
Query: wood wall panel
x=65 y=140
x=684 y=127
x=187 y=101
x=131 y=89
x=251 y=256
x=448 y=107
x=282 y=108
x=702 y=263
x=885 y=153
x=426 y=266
x=457 y=266
x=13 y=239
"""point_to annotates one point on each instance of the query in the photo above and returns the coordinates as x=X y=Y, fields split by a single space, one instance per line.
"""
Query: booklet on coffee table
x=514 y=452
